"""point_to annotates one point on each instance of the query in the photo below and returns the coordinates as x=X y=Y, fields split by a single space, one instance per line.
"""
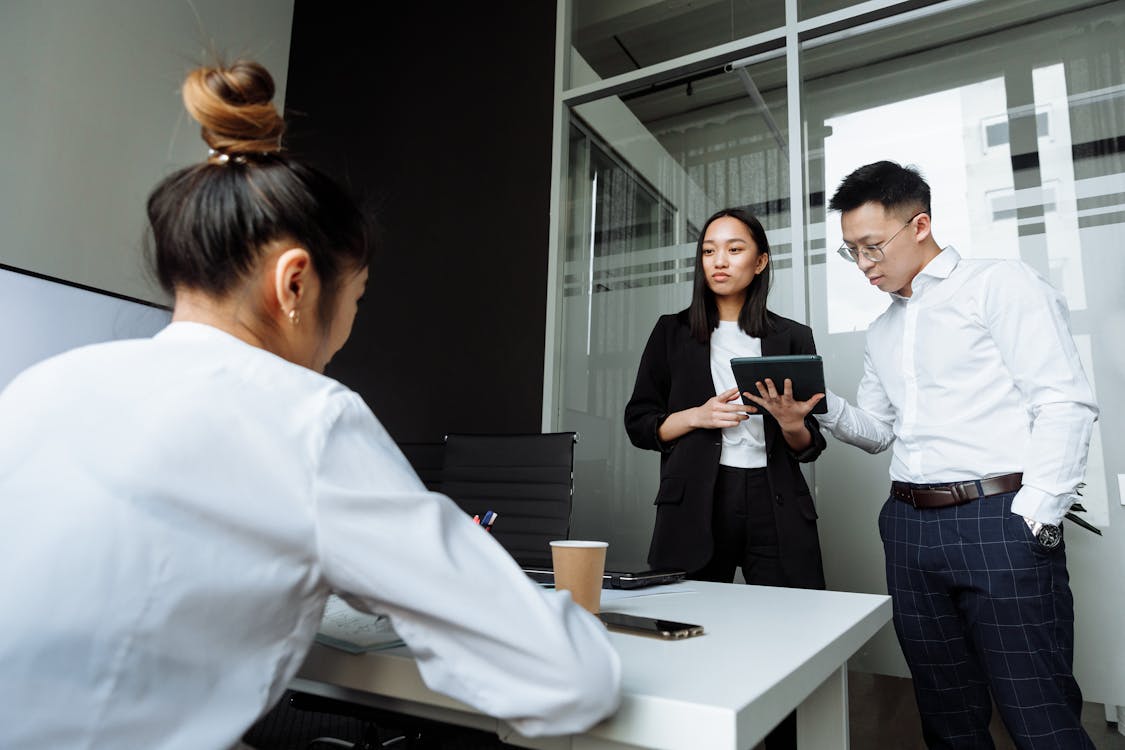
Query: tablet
x=805 y=370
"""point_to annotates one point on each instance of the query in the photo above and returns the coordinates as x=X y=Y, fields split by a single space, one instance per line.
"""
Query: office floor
x=882 y=716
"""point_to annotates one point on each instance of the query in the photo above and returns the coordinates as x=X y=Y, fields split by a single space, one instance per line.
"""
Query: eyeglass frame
x=846 y=252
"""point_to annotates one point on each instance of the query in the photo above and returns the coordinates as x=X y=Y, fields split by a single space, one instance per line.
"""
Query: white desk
x=766 y=651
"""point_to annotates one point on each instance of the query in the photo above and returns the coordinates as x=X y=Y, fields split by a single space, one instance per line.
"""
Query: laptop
x=619 y=578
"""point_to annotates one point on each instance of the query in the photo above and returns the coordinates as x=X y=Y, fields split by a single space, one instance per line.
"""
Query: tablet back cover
x=805 y=370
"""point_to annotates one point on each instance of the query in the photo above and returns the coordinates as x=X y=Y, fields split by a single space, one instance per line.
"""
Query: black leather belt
x=954 y=493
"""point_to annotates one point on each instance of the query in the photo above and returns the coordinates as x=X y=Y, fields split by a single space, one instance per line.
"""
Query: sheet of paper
x=613 y=595
x=354 y=631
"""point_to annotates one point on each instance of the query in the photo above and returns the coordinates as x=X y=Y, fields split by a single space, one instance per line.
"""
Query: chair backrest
x=527 y=480
x=427 y=460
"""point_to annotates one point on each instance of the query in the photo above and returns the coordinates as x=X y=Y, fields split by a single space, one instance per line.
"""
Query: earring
x=294 y=316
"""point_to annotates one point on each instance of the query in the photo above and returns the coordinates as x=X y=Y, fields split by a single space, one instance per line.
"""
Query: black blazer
x=675 y=374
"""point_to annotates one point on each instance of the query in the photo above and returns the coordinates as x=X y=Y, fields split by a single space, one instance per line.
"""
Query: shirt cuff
x=806 y=455
x=836 y=405
x=1040 y=506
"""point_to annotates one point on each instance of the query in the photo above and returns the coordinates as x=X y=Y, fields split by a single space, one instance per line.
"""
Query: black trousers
x=744 y=533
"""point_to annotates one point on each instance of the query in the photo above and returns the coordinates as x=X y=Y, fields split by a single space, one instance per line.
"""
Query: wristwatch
x=1048 y=535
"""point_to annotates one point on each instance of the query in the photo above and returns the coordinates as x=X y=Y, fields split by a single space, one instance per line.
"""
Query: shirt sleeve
x=480 y=630
x=868 y=425
x=1029 y=321
x=803 y=343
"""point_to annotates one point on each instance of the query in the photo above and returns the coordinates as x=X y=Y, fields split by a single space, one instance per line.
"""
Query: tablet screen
x=805 y=370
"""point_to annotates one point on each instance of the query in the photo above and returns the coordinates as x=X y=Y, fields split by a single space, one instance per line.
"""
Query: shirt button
x=780 y=500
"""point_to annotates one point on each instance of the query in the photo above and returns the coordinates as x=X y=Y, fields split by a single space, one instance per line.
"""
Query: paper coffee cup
x=579 y=566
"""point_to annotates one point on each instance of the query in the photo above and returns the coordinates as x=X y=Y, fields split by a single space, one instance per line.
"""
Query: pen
x=476 y=519
x=491 y=520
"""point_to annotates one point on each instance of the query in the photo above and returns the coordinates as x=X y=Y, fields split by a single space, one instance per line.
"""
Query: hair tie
x=220 y=157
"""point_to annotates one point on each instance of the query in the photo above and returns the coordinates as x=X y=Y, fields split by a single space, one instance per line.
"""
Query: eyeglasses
x=873 y=253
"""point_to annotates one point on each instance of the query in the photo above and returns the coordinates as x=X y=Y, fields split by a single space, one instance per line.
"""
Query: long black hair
x=703 y=314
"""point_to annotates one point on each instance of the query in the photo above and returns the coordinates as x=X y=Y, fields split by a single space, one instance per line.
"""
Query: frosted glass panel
x=1021 y=134
x=1014 y=110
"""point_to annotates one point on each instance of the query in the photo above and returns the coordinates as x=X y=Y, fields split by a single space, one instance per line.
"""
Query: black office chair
x=528 y=480
x=302 y=721
x=427 y=460
x=308 y=722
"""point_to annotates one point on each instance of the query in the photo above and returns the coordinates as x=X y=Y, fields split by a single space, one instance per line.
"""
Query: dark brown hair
x=210 y=222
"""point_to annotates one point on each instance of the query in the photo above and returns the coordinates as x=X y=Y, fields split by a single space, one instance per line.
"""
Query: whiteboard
x=41 y=316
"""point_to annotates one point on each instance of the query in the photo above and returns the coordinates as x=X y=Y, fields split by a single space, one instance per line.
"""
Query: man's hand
x=789 y=412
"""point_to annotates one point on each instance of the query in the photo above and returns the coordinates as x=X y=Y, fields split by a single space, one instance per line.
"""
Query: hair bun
x=234 y=104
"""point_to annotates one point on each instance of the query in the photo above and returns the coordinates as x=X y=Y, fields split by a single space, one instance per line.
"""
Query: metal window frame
x=789 y=40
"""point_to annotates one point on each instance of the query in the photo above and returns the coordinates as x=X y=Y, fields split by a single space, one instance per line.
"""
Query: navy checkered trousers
x=981 y=607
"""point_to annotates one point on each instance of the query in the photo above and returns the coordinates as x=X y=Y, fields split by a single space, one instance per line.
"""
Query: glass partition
x=1019 y=132
x=626 y=35
x=812 y=8
x=1015 y=112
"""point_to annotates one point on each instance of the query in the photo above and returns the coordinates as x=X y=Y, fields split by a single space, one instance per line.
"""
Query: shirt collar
x=186 y=330
x=937 y=269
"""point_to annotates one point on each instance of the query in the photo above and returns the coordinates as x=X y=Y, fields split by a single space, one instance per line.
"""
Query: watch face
x=1050 y=536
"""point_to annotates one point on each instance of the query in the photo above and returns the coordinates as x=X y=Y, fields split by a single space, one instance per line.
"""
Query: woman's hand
x=789 y=412
x=722 y=410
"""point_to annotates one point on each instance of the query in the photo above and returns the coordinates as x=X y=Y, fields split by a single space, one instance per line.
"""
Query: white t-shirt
x=744 y=445
x=174 y=512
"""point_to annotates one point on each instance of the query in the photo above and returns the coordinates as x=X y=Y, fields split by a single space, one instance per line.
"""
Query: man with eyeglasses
x=971 y=373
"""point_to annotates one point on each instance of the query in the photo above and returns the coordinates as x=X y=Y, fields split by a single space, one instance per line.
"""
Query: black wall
x=438 y=116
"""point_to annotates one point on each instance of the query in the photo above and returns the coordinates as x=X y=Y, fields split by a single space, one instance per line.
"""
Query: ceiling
x=619 y=36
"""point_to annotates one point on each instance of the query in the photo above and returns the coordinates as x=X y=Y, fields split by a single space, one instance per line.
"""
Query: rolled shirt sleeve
x=868 y=425
x=1029 y=322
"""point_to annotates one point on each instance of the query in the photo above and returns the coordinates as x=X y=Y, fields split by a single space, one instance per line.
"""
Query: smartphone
x=668 y=629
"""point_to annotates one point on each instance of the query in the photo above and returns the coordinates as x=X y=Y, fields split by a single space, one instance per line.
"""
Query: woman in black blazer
x=731 y=491
x=679 y=409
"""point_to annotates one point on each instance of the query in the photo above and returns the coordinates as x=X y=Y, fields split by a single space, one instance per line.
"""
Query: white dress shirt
x=975 y=375
x=744 y=445
x=173 y=515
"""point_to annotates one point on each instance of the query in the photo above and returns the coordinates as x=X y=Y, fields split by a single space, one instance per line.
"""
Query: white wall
x=91 y=120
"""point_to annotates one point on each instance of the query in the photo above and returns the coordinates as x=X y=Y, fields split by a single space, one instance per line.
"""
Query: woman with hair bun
x=175 y=511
